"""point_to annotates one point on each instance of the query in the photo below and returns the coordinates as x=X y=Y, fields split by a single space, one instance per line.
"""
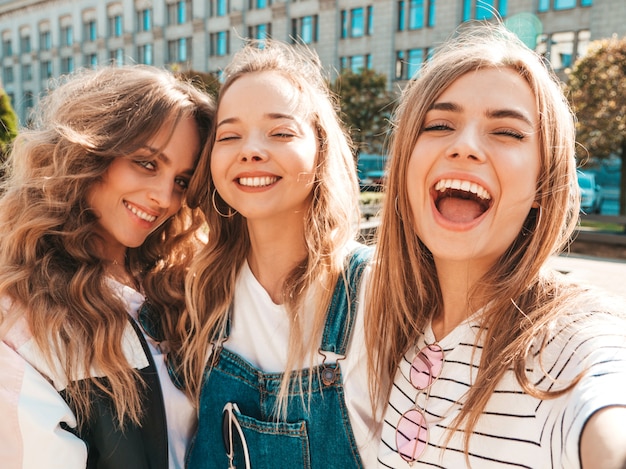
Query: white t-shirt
x=260 y=334
x=179 y=411
x=515 y=429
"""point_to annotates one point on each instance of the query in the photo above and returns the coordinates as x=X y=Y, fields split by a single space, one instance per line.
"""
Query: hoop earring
x=231 y=212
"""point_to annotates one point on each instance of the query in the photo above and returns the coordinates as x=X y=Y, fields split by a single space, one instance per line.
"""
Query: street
x=608 y=274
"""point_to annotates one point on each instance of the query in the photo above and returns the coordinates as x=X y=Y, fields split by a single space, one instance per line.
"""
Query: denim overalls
x=316 y=432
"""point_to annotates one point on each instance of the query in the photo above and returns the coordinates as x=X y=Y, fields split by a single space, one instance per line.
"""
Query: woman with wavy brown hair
x=484 y=357
x=93 y=222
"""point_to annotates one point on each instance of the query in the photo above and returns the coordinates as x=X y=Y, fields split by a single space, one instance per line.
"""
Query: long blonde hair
x=332 y=219
x=49 y=261
x=404 y=292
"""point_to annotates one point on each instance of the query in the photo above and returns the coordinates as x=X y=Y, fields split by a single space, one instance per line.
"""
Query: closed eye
x=436 y=127
x=511 y=133
x=225 y=138
x=283 y=135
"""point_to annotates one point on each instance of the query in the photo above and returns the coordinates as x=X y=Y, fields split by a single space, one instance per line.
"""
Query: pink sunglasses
x=412 y=429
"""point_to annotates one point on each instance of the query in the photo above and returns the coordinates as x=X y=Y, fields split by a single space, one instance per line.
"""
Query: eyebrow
x=270 y=115
x=491 y=113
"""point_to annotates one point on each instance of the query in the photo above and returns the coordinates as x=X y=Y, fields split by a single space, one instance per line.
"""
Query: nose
x=467 y=145
x=252 y=149
x=162 y=193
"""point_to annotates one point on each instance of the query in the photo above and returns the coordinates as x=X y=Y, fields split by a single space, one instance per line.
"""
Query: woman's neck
x=457 y=281
x=274 y=252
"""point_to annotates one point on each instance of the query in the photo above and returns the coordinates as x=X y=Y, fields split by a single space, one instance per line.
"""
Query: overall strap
x=343 y=306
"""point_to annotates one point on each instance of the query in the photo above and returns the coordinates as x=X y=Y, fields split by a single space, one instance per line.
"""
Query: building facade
x=42 y=40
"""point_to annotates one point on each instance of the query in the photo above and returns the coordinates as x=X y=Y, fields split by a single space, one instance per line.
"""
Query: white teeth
x=461 y=185
x=258 y=181
x=141 y=214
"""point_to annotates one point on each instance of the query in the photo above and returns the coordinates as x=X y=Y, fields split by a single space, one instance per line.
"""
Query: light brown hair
x=404 y=292
x=49 y=260
x=331 y=220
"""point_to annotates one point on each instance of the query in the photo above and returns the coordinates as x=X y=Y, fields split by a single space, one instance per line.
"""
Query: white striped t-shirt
x=515 y=430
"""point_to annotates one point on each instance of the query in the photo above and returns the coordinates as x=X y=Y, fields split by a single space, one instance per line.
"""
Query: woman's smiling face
x=473 y=172
x=265 y=151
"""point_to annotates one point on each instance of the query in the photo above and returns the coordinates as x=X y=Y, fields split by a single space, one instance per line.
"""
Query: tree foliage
x=8 y=125
x=204 y=81
x=365 y=107
x=596 y=87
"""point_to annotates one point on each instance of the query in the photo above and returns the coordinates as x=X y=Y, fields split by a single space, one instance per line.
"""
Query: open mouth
x=258 y=181
x=460 y=201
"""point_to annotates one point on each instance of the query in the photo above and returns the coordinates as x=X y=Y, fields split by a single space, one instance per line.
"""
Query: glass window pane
x=416 y=14
x=357 y=27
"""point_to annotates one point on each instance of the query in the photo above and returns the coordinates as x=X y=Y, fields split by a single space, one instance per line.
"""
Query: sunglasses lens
x=227 y=432
x=411 y=435
x=426 y=366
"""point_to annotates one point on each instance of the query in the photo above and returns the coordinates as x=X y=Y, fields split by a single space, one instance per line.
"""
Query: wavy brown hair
x=331 y=220
x=520 y=300
x=50 y=265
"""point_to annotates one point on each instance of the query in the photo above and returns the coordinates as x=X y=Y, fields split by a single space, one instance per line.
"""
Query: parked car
x=590 y=193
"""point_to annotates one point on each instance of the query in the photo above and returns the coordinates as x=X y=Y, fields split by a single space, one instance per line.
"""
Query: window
x=219 y=43
x=27 y=72
x=91 y=31
x=179 y=50
x=416 y=14
x=258 y=4
x=564 y=4
x=25 y=44
x=145 y=53
x=357 y=23
x=179 y=12
x=144 y=20
x=408 y=63
x=27 y=102
x=220 y=7
x=7 y=75
x=116 y=27
x=45 y=69
x=7 y=48
x=45 y=40
x=91 y=60
x=401 y=25
x=260 y=31
x=370 y=20
x=67 y=64
x=484 y=9
x=117 y=56
x=305 y=29
x=356 y=63
x=562 y=49
x=67 y=36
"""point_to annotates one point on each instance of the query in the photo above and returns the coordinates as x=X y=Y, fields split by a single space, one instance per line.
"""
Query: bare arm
x=603 y=442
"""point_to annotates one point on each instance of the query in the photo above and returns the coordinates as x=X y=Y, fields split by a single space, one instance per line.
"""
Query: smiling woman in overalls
x=274 y=296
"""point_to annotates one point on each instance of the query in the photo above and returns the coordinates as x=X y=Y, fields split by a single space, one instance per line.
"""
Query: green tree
x=8 y=124
x=596 y=87
x=207 y=82
x=365 y=106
